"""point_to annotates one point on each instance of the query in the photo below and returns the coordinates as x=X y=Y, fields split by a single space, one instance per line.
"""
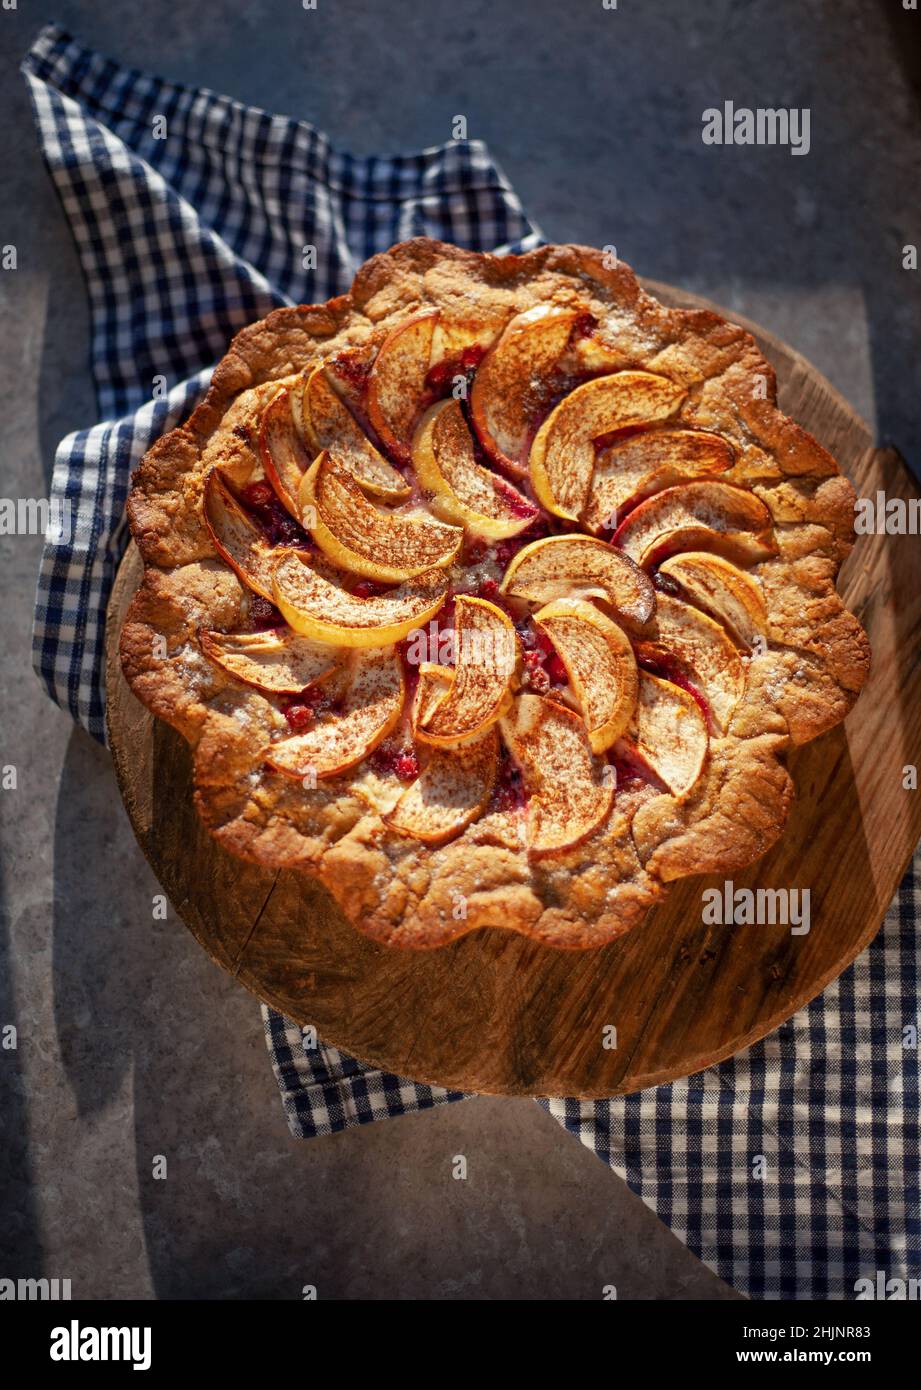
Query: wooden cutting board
x=497 y=1013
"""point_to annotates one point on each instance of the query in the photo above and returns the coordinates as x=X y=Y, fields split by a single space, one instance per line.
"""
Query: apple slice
x=397 y=388
x=576 y=566
x=698 y=516
x=567 y=800
x=600 y=665
x=276 y=661
x=433 y=685
x=452 y=790
x=319 y=609
x=348 y=370
x=504 y=400
x=723 y=590
x=684 y=640
x=369 y=711
x=462 y=490
x=284 y=458
x=562 y=457
x=295 y=388
x=329 y=424
x=362 y=538
x=486 y=656
x=628 y=471
x=670 y=731
x=236 y=536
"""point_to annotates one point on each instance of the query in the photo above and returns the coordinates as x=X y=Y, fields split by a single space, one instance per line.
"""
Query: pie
x=493 y=593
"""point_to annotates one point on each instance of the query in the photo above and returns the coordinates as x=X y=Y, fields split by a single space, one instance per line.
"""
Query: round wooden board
x=498 y=1013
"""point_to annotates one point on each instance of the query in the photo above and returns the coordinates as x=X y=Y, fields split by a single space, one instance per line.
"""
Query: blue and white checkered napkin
x=184 y=240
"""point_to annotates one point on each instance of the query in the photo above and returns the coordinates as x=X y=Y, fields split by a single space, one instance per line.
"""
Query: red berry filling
x=666 y=585
x=311 y=704
x=543 y=667
x=509 y=793
x=440 y=378
x=403 y=762
x=279 y=526
x=446 y=613
x=535 y=674
x=517 y=505
x=585 y=325
x=406 y=765
x=258 y=496
x=633 y=771
x=368 y=588
x=300 y=718
x=263 y=614
x=352 y=370
x=556 y=669
x=472 y=356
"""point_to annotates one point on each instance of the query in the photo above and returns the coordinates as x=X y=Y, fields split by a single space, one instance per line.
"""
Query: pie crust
x=447 y=425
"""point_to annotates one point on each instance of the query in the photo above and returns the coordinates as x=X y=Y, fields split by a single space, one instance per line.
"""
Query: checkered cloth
x=792 y=1169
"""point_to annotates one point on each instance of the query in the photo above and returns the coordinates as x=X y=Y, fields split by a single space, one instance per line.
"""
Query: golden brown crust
x=731 y=818
x=400 y=890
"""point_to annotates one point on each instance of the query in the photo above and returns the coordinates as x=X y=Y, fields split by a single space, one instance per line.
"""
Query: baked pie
x=493 y=594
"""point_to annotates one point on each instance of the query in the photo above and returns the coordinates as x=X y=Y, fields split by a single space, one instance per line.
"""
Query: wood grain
x=497 y=1013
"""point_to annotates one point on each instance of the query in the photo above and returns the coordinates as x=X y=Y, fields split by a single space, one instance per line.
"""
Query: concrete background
x=131 y=1043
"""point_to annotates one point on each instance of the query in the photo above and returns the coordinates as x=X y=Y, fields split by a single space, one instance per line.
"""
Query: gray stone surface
x=131 y=1043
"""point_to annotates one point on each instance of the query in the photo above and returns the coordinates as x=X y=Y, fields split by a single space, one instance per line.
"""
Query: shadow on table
x=133 y=993
x=21 y=1249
